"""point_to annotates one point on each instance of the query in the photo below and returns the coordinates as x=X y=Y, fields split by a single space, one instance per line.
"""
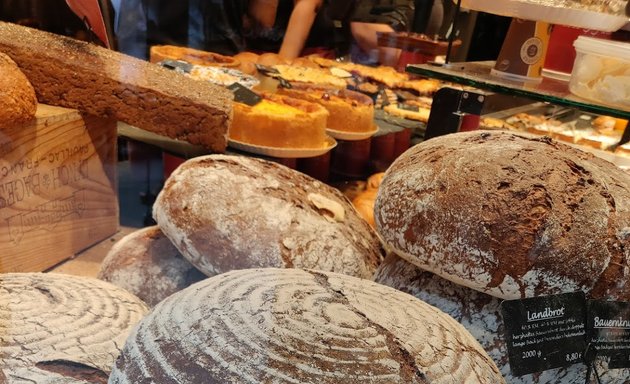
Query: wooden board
x=58 y=192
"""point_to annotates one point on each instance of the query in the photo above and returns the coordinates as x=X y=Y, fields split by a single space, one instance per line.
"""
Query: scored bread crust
x=234 y=212
x=17 y=96
x=481 y=315
x=510 y=215
x=62 y=329
x=291 y=325
x=74 y=74
x=147 y=264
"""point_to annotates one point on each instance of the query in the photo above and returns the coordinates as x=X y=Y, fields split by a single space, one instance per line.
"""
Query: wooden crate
x=58 y=192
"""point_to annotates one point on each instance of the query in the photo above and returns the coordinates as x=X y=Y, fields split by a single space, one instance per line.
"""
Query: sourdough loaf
x=62 y=329
x=509 y=215
x=17 y=96
x=233 y=212
x=481 y=315
x=147 y=264
x=75 y=74
x=291 y=325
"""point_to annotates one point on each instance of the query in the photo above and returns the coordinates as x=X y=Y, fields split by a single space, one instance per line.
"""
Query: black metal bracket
x=449 y=108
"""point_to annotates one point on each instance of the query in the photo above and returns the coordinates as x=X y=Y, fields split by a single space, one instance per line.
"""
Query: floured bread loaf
x=509 y=215
x=62 y=329
x=481 y=315
x=147 y=264
x=291 y=325
x=75 y=74
x=18 y=103
x=234 y=212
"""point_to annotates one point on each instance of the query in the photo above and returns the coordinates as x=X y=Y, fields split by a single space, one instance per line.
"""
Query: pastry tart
x=411 y=109
x=193 y=56
x=280 y=121
x=310 y=75
x=349 y=111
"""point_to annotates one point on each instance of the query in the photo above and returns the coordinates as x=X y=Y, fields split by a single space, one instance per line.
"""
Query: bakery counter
x=477 y=74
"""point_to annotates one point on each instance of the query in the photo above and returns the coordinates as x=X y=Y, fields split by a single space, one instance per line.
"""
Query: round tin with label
x=524 y=49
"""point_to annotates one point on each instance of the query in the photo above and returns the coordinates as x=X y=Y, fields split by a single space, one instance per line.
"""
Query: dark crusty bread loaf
x=235 y=212
x=296 y=326
x=481 y=315
x=509 y=215
x=62 y=329
x=18 y=103
x=75 y=74
x=147 y=264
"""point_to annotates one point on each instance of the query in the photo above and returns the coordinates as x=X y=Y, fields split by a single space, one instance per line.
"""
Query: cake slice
x=74 y=74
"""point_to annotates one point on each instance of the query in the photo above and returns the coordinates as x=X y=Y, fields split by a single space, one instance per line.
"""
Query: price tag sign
x=608 y=326
x=243 y=95
x=545 y=332
x=408 y=107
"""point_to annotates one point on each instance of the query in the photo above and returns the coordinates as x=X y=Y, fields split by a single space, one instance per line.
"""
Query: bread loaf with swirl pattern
x=292 y=325
x=58 y=328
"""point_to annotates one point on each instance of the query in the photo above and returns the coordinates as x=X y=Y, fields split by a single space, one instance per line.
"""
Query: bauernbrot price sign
x=609 y=331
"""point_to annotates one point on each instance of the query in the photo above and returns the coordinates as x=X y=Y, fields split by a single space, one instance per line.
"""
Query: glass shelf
x=477 y=74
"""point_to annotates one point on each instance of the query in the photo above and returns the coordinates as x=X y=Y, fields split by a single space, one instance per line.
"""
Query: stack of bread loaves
x=509 y=216
x=218 y=213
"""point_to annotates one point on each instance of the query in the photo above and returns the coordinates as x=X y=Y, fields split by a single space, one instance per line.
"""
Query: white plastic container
x=601 y=71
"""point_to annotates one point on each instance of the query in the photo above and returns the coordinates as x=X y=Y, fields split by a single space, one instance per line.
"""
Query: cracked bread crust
x=17 y=96
x=510 y=215
x=235 y=212
x=74 y=74
x=290 y=325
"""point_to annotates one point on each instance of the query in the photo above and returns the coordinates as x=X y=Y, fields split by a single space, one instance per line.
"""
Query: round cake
x=348 y=111
x=17 y=96
x=510 y=215
x=299 y=326
x=147 y=264
x=62 y=329
x=481 y=315
x=235 y=212
x=281 y=122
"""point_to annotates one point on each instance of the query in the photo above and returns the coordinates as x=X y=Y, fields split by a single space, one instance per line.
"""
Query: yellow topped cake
x=281 y=122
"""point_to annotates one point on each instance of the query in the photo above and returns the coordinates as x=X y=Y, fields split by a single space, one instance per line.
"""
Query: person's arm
x=365 y=36
x=299 y=27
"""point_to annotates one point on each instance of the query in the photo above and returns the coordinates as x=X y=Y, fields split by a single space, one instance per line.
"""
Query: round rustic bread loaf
x=509 y=215
x=17 y=96
x=481 y=315
x=58 y=328
x=293 y=325
x=235 y=212
x=147 y=264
